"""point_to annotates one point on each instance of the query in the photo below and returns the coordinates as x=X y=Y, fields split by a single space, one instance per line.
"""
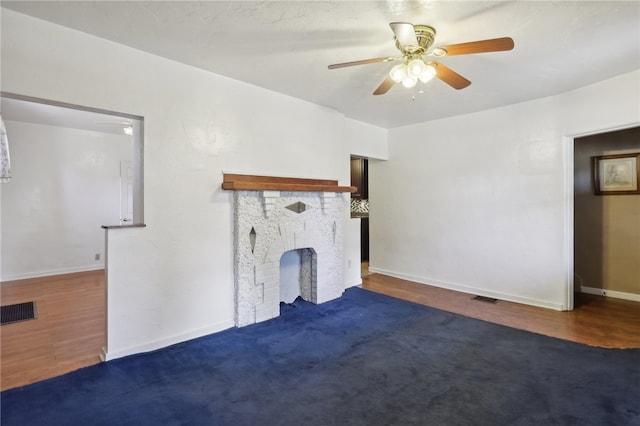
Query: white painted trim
x=569 y=237
x=168 y=341
x=471 y=290
x=51 y=272
x=610 y=293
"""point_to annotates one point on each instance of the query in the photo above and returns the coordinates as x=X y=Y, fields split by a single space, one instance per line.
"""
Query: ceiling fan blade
x=385 y=86
x=363 y=62
x=405 y=35
x=451 y=77
x=481 y=46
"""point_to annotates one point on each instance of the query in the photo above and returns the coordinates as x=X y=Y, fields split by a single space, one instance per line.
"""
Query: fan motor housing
x=425 y=36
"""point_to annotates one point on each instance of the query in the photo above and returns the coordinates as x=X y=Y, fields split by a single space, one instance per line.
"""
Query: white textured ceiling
x=285 y=46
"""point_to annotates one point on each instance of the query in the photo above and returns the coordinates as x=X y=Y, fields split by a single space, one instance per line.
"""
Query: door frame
x=568 y=142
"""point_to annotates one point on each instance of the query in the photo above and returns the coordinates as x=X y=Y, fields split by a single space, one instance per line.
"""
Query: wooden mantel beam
x=235 y=182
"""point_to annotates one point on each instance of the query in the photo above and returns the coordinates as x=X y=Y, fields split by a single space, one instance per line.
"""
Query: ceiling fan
x=414 y=42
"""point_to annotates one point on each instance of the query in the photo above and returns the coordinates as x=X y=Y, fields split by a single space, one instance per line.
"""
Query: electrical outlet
x=97 y=257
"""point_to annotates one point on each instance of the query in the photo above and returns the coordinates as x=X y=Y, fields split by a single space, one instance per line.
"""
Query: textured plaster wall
x=65 y=186
x=173 y=280
x=483 y=202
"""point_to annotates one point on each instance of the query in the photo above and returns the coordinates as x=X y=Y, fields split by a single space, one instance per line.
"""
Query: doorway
x=606 y=228
x=360 y=206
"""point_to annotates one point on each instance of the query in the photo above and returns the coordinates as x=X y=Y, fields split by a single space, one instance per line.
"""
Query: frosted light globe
x=398 y=73
x=409 y=81
x=416 y=67
x=428 y=73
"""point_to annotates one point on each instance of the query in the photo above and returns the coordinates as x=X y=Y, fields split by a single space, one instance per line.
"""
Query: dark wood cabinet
x=364 y=239
x=359 y=177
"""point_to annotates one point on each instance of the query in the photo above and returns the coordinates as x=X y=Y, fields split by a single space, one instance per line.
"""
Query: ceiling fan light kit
x=414 y=41
x=408 y=73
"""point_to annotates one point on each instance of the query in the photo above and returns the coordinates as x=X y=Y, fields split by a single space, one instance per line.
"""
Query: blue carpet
x=364 y=359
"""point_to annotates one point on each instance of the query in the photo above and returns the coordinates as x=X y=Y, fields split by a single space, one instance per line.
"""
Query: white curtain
x=5 y=160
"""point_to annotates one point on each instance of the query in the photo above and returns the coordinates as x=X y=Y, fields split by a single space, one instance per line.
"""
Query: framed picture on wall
x=616 y=174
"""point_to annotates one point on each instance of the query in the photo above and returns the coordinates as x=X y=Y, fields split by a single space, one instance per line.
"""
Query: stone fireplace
x=273 y=216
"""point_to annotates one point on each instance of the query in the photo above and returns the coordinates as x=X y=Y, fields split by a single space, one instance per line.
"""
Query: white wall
x=483 y=202
x=353 y=271
x=65 y=185
x=173 y=280
x=366 y=140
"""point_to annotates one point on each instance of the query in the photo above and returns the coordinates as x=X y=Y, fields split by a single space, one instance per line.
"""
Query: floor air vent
x=18 y=312
x=485 y=299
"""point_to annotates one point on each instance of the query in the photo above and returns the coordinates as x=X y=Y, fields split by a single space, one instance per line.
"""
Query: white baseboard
x=109 y=354
x=61 y=271
x=471 y=290
x=610 y=293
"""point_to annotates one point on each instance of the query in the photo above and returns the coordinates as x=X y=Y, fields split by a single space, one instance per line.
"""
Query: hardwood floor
x=69 y=332
x=595 y=320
